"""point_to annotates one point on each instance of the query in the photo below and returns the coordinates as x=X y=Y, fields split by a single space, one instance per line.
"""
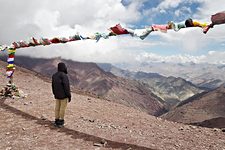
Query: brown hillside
x=207 y=108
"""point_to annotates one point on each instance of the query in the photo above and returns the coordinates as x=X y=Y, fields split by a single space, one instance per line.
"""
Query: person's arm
x=66 y=86
x=53 y=86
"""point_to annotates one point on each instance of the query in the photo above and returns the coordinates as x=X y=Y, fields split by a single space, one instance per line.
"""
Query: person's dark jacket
x=60 y=83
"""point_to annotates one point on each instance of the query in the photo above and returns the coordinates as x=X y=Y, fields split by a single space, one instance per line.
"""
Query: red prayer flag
x=11 y=56
x=55 y=40
x=218 y=18
x=118 y=29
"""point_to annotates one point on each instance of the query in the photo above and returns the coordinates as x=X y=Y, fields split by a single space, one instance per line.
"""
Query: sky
x=23 y=19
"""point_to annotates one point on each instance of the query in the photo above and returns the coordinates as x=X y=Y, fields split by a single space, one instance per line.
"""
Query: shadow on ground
x=218 y=122
x=72 y=133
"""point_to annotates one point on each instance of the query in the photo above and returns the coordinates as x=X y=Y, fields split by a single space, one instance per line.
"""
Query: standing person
x=61 y=91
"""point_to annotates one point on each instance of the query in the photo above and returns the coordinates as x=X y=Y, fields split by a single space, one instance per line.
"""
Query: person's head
x=62 y=67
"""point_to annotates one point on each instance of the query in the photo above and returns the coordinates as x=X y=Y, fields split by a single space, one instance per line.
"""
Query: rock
x=113 y=126
x=177 y=145
x=91 y=120
x=192 y=127
x=43 y=117
x=181 y=128
x=216 y=129
x=35 y=136
x=103 y=142
x=141 y=133
x=159 y=118
x=98 y=144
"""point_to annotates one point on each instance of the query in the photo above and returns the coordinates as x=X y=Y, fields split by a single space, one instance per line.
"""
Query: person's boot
x=61 y=123
x=57 y=122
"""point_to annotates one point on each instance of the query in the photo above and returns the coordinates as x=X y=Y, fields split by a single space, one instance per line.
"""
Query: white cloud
x=49 y=15
x=208 y=8
x=187 y=40
x=182 y=11
x=213 y=57
x=166 y=4
x=150 y=57
x=113 y=50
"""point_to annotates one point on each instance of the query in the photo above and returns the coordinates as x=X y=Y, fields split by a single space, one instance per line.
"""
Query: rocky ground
x=91 y=123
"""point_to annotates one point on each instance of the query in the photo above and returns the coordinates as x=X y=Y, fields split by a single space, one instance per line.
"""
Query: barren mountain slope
x=90 y=123
x=205 y=107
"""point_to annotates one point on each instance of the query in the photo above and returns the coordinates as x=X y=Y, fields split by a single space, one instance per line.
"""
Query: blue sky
x=62 y=19
x=151 y=16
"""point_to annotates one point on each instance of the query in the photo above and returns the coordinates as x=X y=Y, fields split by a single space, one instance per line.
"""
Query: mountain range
x=170 y=89
x=203 y=75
